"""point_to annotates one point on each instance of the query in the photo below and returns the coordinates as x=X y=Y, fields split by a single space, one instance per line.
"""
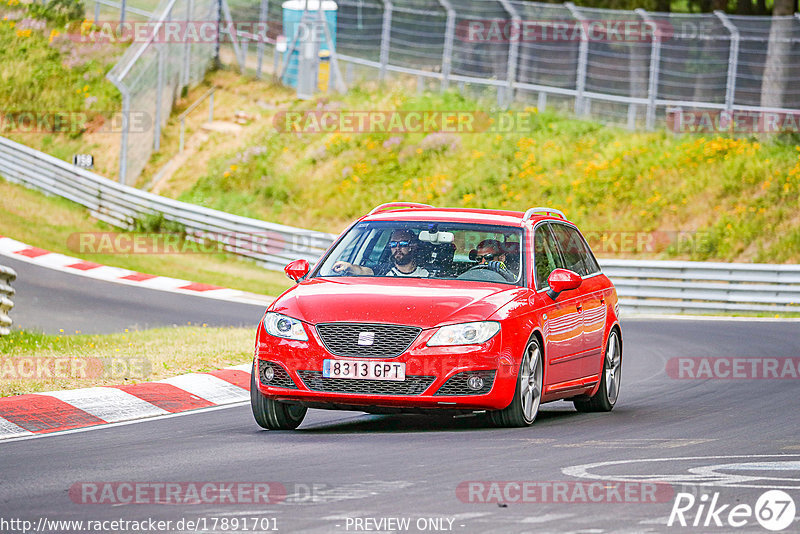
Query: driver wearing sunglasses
x=490 y=254
x=402 y=247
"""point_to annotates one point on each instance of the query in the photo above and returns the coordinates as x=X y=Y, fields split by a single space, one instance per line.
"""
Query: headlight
x=465 y=334
x=279 y=325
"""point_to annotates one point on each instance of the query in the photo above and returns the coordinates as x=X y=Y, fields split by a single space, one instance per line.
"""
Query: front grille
x=388 y=340
x=280 y=379
x=457 y=384
x=412 y=385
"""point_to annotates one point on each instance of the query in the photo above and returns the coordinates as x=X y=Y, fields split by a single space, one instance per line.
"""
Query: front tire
x=608 y=392
x=528 y=394
x=272 y=414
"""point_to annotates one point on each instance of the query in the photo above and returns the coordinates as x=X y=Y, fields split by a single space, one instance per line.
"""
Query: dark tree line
x=738 y=7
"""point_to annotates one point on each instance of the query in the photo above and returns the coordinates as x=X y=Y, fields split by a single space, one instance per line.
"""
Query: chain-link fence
x=153 y=72
x=626 y=67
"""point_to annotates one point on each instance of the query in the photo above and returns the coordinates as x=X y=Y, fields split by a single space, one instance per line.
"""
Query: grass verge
x=32 y=362
x=711 y=197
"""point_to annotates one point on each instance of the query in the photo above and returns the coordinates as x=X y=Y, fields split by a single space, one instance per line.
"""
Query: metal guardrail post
x=655 y=60
x=122 y=7
x=386 y=37
x=96 y=10
x=733 y=60
x=583 y=53
x=513 y=48
x=7 y=275
x=447 y=54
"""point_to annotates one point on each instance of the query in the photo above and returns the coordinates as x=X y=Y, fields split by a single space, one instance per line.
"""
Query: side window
x=577 y=256
x=546 y=258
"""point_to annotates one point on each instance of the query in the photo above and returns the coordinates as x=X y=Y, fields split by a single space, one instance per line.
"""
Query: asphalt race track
x=51 y=300
x=728 y=439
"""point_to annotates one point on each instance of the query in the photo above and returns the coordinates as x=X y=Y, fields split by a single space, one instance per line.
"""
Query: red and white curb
x=54 y=411
x=23 y=252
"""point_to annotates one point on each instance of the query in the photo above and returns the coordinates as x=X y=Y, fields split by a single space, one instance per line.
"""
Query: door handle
x=602 y=300
x=580 y=307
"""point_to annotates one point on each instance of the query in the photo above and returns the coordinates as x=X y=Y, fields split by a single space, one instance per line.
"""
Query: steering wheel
x=482 y=273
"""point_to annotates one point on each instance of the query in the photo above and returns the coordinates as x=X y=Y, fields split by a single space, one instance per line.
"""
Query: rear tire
x=528 y=394
x=608 y=392
x=272 y=414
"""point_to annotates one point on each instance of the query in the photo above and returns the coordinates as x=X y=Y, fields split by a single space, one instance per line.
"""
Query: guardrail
x=273 y=245
x=7 y=275
x=704 y=287
x=643 y=286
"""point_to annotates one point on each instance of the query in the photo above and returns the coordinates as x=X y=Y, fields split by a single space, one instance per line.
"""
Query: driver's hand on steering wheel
x=496 y=265
x=342 y=267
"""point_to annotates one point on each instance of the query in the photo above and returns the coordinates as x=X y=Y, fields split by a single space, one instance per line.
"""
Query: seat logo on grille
x=366 y=338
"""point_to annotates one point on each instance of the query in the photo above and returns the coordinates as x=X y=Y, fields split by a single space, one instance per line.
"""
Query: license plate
x=365 y=370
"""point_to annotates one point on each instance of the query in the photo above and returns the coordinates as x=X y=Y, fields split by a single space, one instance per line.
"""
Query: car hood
x=416 y=302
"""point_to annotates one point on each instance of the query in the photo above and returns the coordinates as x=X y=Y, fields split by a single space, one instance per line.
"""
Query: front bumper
x=436 y=377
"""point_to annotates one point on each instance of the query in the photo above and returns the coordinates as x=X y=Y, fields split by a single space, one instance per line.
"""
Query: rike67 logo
x=774 y=510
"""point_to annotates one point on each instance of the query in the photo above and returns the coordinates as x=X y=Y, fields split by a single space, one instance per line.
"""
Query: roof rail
x=398 y=206
x=543 y=211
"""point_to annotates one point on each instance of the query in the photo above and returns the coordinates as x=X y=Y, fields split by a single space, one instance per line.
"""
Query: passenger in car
x=402 y=246
x=491 y=254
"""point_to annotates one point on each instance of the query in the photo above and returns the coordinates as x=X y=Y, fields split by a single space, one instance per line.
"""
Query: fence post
x=187 y=53
x=513 y=48
x=655 y=60
x=447 y=55
x=733 y=60
x=263 y=18
x=96 y=10
x=160 y=80
x=237 y=50
x=583 y=53
x=126 y=126
x=386 y=36
x=122 y=8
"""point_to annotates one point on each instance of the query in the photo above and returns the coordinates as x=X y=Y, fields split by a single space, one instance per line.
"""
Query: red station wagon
x=416 y=308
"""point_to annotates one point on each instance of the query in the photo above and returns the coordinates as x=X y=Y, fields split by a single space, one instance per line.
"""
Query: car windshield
x=436 y=250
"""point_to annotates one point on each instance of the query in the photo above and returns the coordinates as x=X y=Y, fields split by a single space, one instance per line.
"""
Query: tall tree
x=776 y=68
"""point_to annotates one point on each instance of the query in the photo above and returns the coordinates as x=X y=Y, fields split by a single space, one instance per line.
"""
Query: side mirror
x=297 y=270
x=562 y=280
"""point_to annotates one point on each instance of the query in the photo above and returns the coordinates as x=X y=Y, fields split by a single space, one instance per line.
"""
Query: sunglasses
x=487 y=257
x=395 y=244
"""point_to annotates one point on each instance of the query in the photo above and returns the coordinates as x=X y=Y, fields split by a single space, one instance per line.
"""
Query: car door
x=562 y=325
x=591 y=300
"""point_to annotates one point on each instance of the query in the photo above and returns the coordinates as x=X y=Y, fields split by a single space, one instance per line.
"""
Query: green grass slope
x=695 y=197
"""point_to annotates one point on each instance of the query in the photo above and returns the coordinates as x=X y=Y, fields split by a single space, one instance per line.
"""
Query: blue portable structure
x=292 y=15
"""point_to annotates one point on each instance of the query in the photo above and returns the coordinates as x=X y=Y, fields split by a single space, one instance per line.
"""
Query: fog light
x=475 y=383
x=267 y=374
